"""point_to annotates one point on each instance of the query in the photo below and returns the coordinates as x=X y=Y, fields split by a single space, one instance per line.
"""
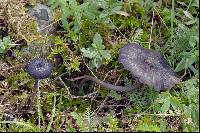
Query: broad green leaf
x=195 y=115
x=187 y=61
x=193 y=41
x=98 y=46
x=117 y=8
x=4 y=44
x=105 y=54
x=165 y=106
x=164 y=98
x=194 y=70
x=176 y=103
x=97 y=39
x=89 y=52
x=6 y=40
x=181 y=65
x=79 y=119
x=103 y=15
x=95 y=63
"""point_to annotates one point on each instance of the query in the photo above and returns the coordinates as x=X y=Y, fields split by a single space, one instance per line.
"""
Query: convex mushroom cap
x=39 y=68
x=149 y=66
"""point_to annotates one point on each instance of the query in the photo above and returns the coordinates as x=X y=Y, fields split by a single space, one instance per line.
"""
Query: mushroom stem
x=104 y=84
x=37 y=85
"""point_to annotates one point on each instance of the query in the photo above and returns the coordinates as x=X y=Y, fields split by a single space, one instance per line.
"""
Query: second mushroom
x=149 y=66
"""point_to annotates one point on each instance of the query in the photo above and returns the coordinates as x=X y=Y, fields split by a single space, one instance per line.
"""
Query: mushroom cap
x=149 y=66
x=39 y=68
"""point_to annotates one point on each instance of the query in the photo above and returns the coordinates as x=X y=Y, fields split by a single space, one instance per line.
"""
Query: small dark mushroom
x=149 y=66
x=39 y=68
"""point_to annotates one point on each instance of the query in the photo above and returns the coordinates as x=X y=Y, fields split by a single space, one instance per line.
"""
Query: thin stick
x=150 y=39
x=161 y=19
x=120 y=32
x=49 y=25
x=163 y=115
x=88 y=67
x=72 y=96
x=172 y=19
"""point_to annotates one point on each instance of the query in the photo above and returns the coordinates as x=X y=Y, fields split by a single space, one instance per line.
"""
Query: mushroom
x=149 y=66
x=38 y=68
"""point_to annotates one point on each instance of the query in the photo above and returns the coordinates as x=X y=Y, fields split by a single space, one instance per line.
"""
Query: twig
x=88 y=67
x=150 y=39
x=161 y=19
x=72 y=96
x=49 y=25
x=115 y=105
x=120 y=31
x=103 y=103
x=142 y=114
x=172 y=20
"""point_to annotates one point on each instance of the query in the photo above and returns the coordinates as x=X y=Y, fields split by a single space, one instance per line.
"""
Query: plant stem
x=52 y=114
x=172 y=19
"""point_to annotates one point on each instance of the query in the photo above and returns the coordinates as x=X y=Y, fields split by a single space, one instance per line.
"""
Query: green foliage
x=112 y=124
x=78 y=118
x=74 y=65
x=4 y=44
x=97 y=29
x=190 y=91
x=70 y=8
x=137 y=36
x=147 y=124
x=97 y=52
x=185 y=48
x=143 y=98
x=185 y=104
x=18 y=126
x=20 y=79
x=183 y=44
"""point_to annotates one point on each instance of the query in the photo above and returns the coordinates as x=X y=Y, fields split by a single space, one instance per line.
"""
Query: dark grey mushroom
x=149 y=66
x=39 y=68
